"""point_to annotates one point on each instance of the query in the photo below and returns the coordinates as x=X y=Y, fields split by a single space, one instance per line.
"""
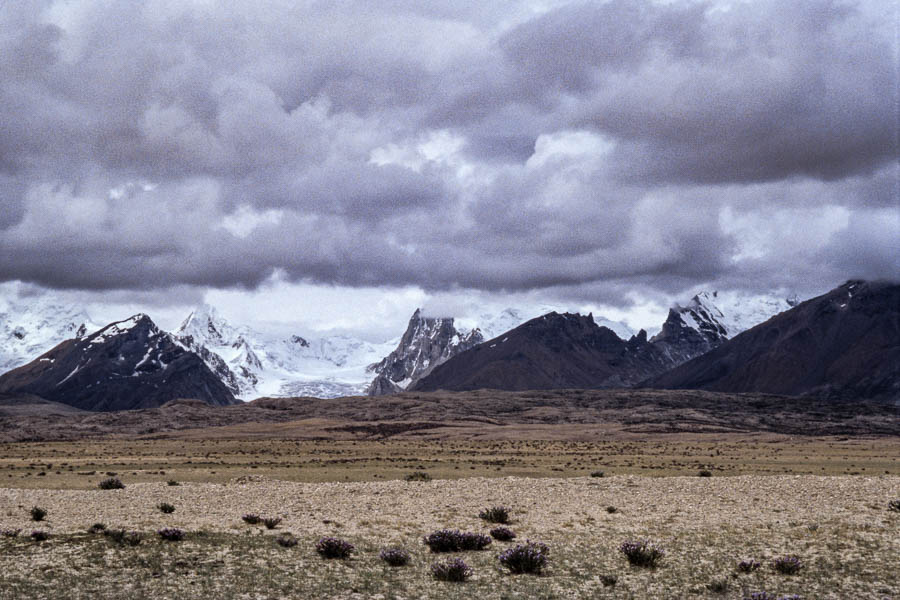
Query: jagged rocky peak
x=426 y=343
x=204 y=323
x=126 y=365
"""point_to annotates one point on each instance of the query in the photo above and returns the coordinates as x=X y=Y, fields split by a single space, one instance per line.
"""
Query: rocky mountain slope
x=126 y=365
x=843 y=344
x=550 y=352
x=426 y=343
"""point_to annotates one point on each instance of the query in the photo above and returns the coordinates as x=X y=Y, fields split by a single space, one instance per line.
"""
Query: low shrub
x=39 y=535
x=111 y=483
x=768 y=596
x=787 y=565
x=172 y=483
x=38 y=513
x=395 y=557
x=502 y=534
x=123 y=537
x=530 y=557
x=286 y=540
x=597 y=474
x=718 y=586
x=165 y=507
x=171 y=534
x=453 y=540
x=748 y=566
x=330 y=547
x=894 y=505
x=642 y=553
x=704 y=473
x=97 y=528
x=418 y=476
x=451 y=570
x=495 y=514
x=271 y=522
x=251 y=518
x=10 y=533
x=612 y=509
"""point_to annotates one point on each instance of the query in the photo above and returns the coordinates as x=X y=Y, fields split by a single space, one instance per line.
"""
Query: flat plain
x=822 y=498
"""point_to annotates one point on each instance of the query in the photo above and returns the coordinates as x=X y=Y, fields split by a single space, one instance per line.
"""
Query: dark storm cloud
x=461 y=145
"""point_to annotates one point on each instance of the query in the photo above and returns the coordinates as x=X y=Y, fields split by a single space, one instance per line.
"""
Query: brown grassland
x=823 y=498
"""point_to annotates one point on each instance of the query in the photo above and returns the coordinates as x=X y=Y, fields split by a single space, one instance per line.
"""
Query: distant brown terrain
x=485 y=414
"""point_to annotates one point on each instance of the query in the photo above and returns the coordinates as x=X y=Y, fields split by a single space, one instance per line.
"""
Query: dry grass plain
x=823 y=499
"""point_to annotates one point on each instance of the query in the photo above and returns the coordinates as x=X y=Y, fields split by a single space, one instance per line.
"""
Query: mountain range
x=551 y=351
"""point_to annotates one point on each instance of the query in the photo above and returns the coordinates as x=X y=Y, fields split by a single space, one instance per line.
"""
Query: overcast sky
x=321 y=161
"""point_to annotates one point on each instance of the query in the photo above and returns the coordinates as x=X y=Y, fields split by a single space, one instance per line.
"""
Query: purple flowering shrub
x=748 y=566
x=530 y=557
x=330 y=547
x=453 y=540
x=787 y=565
x=10 y=533
x=502 y=534
x=396 y=557
x=451 y=570
x=642 y=553
x=171 y=534
x=251 y=518
x=271 y=522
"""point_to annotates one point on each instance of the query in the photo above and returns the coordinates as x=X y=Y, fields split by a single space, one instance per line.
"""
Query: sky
x=337 y=164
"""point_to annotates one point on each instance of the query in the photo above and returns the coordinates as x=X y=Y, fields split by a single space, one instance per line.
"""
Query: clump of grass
x=451 y=570
x=271 y=522
x=894 y=505
x=286 y=540
x=165 y=507
x=787 y=565
x=609 y=580
x=530 y=557
x=748 y=565
x=642 y=553
x=331 y=547
x=418 y=476
x=718 y=586
x=704 y=473
x=39 y=535
x=111 y=483
x=597 y=474
x=453 y=540
x=123 y=537
x=171 y=534
x=10 y=533
x=502 y=534
x=97 y=528
x=251 y=518
x=495 y=514
x=172 y=483
x=395 y=557
x=38 y=513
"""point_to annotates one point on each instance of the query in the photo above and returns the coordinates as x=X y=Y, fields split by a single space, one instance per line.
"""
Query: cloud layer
x=582 y=146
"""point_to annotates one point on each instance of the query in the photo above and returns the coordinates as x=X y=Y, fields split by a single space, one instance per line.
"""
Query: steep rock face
x=708 y=320
x=554 y=351
x=126 y=365
x=426 y=343
x=844 y=344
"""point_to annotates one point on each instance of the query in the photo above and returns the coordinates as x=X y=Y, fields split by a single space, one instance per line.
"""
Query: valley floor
x=839 y=526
